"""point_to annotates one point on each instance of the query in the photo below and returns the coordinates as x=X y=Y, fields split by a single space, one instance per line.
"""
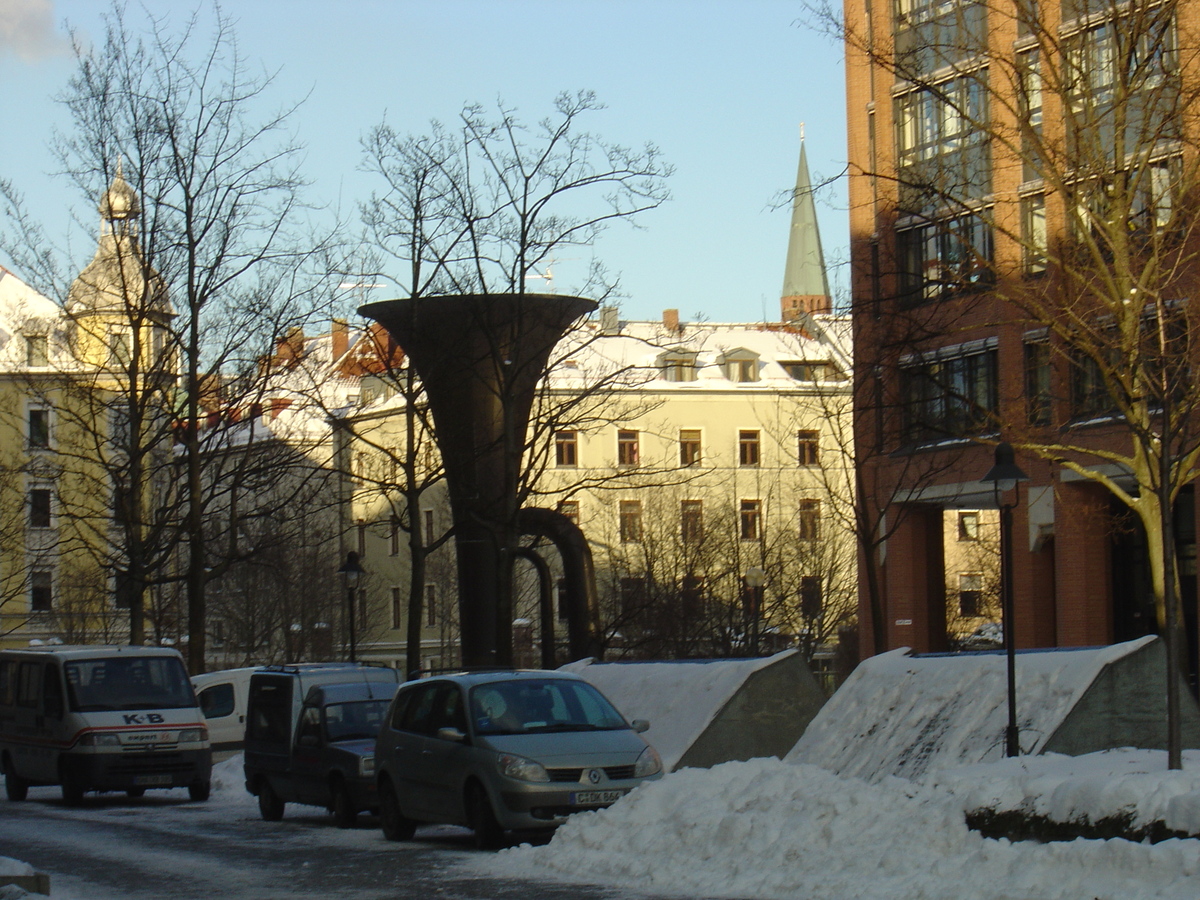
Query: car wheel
x=488 y=833
x=198 y=791
x=270 y=807
x=134 y=793
x=344 y=813
x=396 y=826
x=15 y=786
x=72 y=788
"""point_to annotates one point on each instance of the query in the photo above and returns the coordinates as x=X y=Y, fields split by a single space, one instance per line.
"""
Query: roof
x=804 y=272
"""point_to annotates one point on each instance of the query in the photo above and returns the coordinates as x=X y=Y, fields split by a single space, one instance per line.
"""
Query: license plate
x=151 y=780
x=595 y=798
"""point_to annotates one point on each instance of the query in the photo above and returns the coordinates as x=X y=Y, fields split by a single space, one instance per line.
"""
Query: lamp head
x=1004 y=475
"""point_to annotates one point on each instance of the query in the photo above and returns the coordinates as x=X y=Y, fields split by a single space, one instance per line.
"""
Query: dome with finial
x=120 y=201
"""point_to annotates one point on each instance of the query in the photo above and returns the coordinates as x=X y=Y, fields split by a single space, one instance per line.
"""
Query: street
x=162 y=846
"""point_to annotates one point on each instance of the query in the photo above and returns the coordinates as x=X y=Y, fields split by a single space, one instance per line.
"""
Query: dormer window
x=816 y=371
x=37 y=351
x=741 y=366
x=678 y=367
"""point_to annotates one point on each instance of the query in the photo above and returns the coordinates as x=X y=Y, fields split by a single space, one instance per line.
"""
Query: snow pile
x=903 y=715
x=10 y=867
x=769 y=829
x=1133 y=783
x=679 y=699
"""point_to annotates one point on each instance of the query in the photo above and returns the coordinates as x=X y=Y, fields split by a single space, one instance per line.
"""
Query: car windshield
x=353 y=721
x=529 y=706
x=128 y=682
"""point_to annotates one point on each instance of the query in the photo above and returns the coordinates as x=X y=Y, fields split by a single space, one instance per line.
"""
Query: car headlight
x=522 y=769
x=95 y=739
x=649 y=763
x=193 y=735
x=366 y=766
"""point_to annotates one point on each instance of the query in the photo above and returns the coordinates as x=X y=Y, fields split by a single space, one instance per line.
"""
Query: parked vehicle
x=100 y=719
x=222 y=696
x=504 y=751
x=310 y=736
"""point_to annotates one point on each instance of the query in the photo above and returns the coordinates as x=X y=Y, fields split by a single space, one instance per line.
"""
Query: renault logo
x=594 y=776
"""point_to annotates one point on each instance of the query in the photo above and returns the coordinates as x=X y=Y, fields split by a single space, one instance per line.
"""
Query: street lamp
x=756 y=577
x=351 y=571
x=1003 y=477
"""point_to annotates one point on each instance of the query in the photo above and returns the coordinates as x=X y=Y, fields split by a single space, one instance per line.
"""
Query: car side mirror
x=641 y=726
x=451 y=734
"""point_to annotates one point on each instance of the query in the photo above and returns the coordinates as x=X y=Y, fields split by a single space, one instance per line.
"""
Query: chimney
x=610 y=320
x=339 y=336
x=671 y=320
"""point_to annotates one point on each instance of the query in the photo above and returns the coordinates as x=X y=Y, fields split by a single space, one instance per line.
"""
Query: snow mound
x=769 y=829
x=902 y=715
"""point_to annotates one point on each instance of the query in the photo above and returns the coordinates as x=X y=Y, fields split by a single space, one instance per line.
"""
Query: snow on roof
x=678 y=698
x=905 y=715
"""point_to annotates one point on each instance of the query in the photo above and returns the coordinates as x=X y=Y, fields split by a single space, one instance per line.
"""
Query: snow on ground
x=678 y=699
x=771 y=829
x=902 y=715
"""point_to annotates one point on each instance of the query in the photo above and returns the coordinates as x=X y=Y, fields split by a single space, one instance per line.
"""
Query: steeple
x=805 y=282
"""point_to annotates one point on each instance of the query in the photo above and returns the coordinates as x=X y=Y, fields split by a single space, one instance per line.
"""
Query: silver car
x=504 y=751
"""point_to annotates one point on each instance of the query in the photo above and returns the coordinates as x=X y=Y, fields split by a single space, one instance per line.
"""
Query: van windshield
x=527 y=706
x=354 y=721
x=128 y=682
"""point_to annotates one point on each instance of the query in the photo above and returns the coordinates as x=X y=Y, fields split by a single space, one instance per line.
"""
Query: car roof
x=92 y=651
x=490 y=676
x=347 y=692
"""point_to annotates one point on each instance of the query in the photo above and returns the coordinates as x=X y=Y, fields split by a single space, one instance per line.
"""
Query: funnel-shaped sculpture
x=480 y=358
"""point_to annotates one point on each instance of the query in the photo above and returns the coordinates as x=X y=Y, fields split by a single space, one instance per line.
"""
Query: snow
x=903 y=715
x=678 y=699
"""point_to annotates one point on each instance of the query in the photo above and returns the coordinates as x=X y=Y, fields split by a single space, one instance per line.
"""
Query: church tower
x=805 y=282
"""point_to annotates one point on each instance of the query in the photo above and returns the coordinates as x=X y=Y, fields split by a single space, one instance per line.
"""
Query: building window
x=39 y=508
x=566 y=449
x=813 y=371
x=39 y=429
x=1033 y=226
x=811 y=597
x=570 y=509
x=741 y=367
x=37 y=351
x=691 y=520
x=564 y=608
x=431 y=614
x=970 y=593
x=430 y=523
x=809 y=520
x=750 y=519
x=679 y=367
x=1037 y=380
x=397 y=609
x=627 y=448
x=689 y=447
x=361 y=608
x=748 y=448
x=809 y=446
x=631 y=521
x=41 y=591
x=968 y=526
x=633 y=596
x=120 y=349
x=362 y=539
x=950 y=393
x=394 y=537
x=942 y=257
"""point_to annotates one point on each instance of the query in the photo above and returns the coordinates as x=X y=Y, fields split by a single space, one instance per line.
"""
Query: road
x=164 y=847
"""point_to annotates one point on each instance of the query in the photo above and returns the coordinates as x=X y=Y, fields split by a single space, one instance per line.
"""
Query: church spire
x=805 y=282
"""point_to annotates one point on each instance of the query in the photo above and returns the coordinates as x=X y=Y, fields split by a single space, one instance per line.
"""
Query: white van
x=100 y=719
x=222 y=696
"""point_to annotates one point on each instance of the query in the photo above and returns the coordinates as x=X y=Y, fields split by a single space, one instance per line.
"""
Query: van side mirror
x=641 y=726
x=451 y=734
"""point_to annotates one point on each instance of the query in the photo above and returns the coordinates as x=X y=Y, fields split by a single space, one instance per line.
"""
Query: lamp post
x=1003 y=477
x=351 y=571
x=756 y=577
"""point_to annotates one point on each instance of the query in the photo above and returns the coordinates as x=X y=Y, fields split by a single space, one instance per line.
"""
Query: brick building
x=1021 y=269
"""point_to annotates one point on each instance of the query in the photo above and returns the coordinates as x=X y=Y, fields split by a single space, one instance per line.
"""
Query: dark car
x=327 y=759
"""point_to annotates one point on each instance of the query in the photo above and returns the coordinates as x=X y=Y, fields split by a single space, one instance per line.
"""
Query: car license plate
x=595 y=798
x=151 y=780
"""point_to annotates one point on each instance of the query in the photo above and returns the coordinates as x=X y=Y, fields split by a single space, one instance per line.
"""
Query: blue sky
x=720 y=87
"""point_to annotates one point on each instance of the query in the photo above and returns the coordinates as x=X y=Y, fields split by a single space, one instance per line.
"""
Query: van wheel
x=488 y=833
x=134 y=793
x=269 y=805
x=72 y=788
x=198 y=791
x=396 y=826
x=15 y=786
x=344 y=813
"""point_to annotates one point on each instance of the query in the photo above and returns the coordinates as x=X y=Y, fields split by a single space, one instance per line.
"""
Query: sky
x=723 y=87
